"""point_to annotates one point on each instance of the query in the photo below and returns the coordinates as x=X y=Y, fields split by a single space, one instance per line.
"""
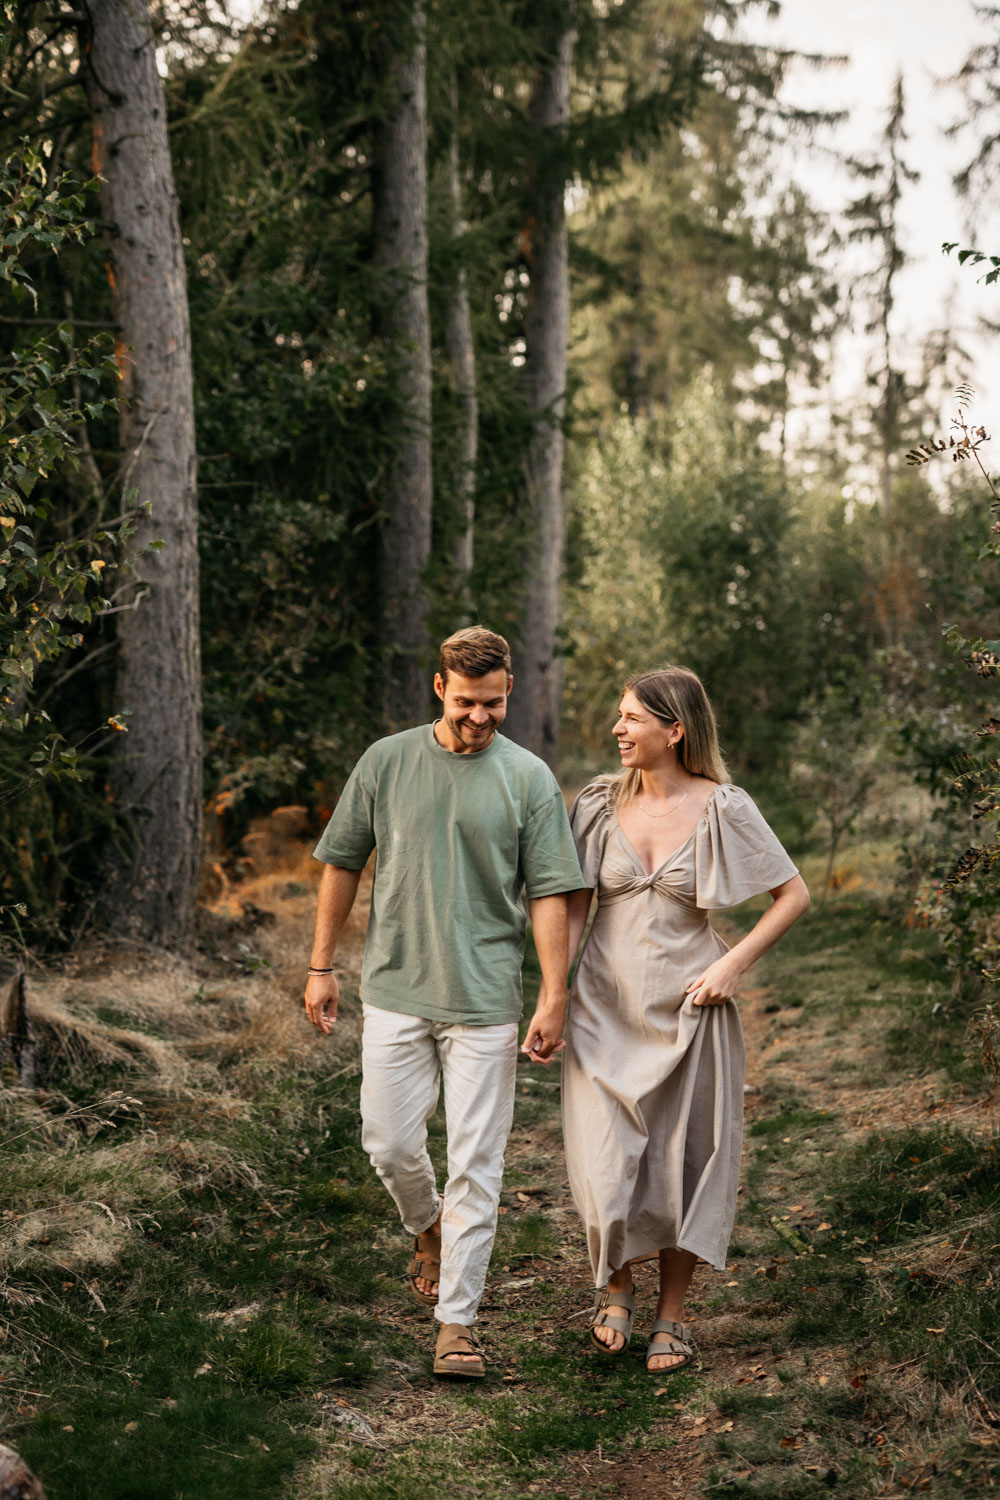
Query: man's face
x=473 y=708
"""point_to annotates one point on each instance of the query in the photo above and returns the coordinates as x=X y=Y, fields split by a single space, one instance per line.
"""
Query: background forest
x=380 y=388
x=328 y=328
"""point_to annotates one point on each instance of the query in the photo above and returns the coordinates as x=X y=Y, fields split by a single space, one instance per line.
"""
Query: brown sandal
x=612 y=1310
x=677 y=1343
x=454 y=1339
x=426 y=1265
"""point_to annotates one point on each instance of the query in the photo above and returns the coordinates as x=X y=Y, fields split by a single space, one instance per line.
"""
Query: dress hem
x=705 y=1256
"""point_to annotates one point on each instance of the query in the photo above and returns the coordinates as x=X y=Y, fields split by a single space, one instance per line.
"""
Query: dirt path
x=539 y=1294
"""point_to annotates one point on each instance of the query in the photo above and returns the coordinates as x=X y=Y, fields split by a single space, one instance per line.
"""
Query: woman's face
x=644 y=741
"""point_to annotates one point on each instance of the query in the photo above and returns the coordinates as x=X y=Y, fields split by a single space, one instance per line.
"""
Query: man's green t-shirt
x=458 y=839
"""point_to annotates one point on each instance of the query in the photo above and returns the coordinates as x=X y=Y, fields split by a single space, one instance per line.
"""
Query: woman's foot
x=603 y=1332
x=669 y=1348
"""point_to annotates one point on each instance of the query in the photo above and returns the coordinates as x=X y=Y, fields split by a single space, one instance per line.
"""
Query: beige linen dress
x=653 y=1084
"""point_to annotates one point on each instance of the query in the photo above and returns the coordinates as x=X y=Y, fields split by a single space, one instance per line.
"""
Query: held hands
x=716 y=985
x=544 y=1037
x=322 y=999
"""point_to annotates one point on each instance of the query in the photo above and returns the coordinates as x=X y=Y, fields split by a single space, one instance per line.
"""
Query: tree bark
x=534 y=721
x=15 y=1029
x=151 y=890
x=462 y=361
x=16 y=1480
x=399 y=191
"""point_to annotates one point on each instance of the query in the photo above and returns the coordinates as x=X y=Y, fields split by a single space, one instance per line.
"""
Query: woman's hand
x=716 y=985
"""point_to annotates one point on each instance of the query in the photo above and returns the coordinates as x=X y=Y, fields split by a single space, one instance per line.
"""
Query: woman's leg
x=618 y=1281
x=676 y=1270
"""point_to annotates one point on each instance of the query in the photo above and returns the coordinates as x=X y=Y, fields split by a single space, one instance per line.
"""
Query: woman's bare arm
x=716 y=985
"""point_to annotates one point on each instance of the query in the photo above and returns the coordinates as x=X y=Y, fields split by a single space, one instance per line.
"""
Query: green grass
x=247 y=1290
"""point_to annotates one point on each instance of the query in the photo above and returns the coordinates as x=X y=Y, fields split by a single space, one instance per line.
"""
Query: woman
x=653 y=1072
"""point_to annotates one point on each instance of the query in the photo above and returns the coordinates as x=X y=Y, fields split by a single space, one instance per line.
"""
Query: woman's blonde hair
x=676 y=695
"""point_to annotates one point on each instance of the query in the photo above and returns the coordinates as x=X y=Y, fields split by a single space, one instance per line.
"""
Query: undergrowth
x=202 y=1289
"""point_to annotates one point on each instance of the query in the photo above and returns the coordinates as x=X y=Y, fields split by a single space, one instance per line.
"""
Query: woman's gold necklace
x=662 y=814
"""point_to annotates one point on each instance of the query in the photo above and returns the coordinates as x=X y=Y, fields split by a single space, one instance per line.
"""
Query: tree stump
x=16 y=1480
x=15 y=1034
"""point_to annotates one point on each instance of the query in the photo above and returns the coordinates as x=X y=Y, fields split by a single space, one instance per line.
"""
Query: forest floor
x=202 y=1284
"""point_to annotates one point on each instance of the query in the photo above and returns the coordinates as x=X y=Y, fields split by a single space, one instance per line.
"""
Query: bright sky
x=926 y=40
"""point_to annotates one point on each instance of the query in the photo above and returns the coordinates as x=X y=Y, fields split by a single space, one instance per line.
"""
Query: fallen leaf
x=131 y=1426
x=824 y=1225
x=936 y=1330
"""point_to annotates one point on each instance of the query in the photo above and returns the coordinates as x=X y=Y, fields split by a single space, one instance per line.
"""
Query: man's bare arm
x=337 y=890
x=551 y=933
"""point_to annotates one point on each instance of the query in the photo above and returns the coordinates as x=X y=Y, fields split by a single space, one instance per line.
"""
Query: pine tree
x=874 y=220
x=157 y=779
x=399 y=202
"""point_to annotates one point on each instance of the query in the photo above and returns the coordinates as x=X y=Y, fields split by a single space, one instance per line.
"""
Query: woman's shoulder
x=595 y=802
x=732 y=807
x=730 y=798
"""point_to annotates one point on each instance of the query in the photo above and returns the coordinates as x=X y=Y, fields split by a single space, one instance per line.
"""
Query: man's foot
x=611 y=1328
x=424 y=1270
x=669 y=1347
x=457 y=1353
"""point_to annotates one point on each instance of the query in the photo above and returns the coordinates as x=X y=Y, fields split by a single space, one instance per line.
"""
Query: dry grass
x=220 y=1062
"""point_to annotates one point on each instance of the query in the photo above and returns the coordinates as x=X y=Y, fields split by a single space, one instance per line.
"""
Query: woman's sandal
x=427 y=1266
x=604 y=1299
x=455 y=1339
x=677 y=1344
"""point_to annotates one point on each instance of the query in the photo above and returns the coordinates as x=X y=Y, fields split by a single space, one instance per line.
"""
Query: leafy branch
x=975 y=258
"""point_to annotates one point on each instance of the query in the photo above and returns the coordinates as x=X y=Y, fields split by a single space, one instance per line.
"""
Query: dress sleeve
x=591 y=819
x=735 y=853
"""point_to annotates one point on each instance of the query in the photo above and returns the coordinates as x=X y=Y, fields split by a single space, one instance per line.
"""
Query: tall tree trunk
x=535 y=717
x=462 y=361
x=399 y=189
x=151 y=891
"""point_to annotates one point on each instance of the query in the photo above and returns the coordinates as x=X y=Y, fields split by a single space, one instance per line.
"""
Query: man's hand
x=544 y=1037
x=322 y=999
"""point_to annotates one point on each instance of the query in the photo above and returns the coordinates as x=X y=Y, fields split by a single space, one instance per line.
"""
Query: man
x=463 y=821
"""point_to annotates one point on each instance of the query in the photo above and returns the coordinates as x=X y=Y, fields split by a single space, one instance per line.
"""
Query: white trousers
x=403 y=1059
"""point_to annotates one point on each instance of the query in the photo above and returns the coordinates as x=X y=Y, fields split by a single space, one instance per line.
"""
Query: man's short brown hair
x=474 y=652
